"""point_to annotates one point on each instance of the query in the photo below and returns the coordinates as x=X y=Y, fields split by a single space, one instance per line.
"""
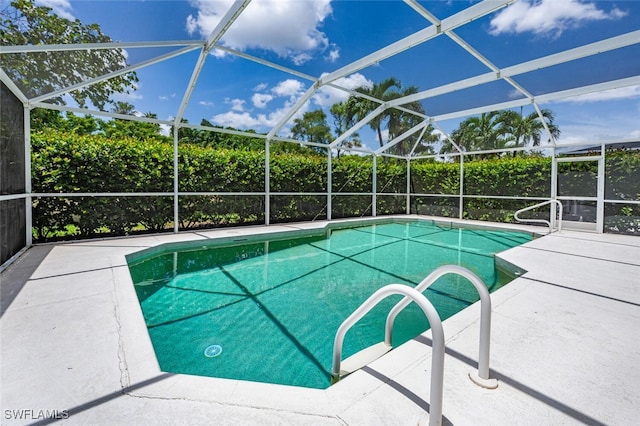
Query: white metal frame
x=438 y=28
x=598 y=226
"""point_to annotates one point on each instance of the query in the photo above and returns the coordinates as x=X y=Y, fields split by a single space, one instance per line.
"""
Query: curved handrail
x=485 y=312
x=535 y=206
x=437 y=332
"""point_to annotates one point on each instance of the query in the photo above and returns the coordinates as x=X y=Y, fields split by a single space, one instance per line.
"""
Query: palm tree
x=360 y=106
x=484 y=132
x=529 y=129
x=457 y=137
x=121 y=107
x=480 y=133
x=401 y=121
x=397 y=121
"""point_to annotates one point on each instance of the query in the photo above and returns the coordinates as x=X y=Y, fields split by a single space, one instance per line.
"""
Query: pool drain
x=213 y=351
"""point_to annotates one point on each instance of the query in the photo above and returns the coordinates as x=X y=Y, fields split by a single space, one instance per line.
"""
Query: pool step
x=362 y=358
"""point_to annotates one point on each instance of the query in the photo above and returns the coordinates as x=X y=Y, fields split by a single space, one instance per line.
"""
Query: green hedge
x=68 y=163
x=622 y=169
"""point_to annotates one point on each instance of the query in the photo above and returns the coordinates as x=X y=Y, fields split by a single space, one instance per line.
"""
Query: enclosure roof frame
x=437 y=27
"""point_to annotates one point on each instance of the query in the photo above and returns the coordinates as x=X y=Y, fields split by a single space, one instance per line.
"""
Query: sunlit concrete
x=564 y=347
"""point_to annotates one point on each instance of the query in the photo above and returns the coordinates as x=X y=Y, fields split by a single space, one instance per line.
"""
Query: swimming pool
x=267 y=309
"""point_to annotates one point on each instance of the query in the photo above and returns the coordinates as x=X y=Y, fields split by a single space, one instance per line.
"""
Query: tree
x=82 y=125
x=343 y=121
x=397 y=121
x=40 y=73
x=530 y=128
x=400 y=121
x=42 y=118
x=313 y=127
x=124 y=108
x=457 y=137
x=420 y=145
x=483 y=133
x=361 y=106
x=500 y=130
x=479 y=133
x=207 y=138
x=118 y=128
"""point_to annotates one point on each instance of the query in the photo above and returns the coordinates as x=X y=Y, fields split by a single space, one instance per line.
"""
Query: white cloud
x=166 y=98
x=549 y=17
x=236 y=104
x=62 y=8
x=260 y=87
x=205 y=103
x=327 y=96
x=289 y=87
x=287 y=93
x=611 y=118
x=238 y=120
x=191 y=25
x=608 y=95
x=590 y=133
x=441 y=134
x=127 y=97
x=300 y=58
x=603 y=116
x=260 y=100
x=271 y=119
x=515 y=94
x=288 y=28
x=244 y=120
x=165 y=129
x=333 y=55
x=385 y=136
x=290 y=90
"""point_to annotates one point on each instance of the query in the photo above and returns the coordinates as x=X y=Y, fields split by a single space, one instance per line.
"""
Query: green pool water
x=268 y=311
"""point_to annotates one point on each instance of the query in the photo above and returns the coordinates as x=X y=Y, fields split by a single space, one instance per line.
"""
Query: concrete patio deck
x=565 y=347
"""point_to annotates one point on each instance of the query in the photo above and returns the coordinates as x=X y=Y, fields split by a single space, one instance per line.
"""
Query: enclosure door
x=581 y=191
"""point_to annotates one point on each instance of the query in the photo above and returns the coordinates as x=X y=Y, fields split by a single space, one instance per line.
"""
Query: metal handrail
x=485 y=318
x=549 y=223
x=437 y=333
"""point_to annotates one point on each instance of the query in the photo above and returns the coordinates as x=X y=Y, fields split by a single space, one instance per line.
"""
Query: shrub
x=69 y=163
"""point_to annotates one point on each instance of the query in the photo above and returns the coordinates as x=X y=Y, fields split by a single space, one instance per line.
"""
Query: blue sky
x=319 y=36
